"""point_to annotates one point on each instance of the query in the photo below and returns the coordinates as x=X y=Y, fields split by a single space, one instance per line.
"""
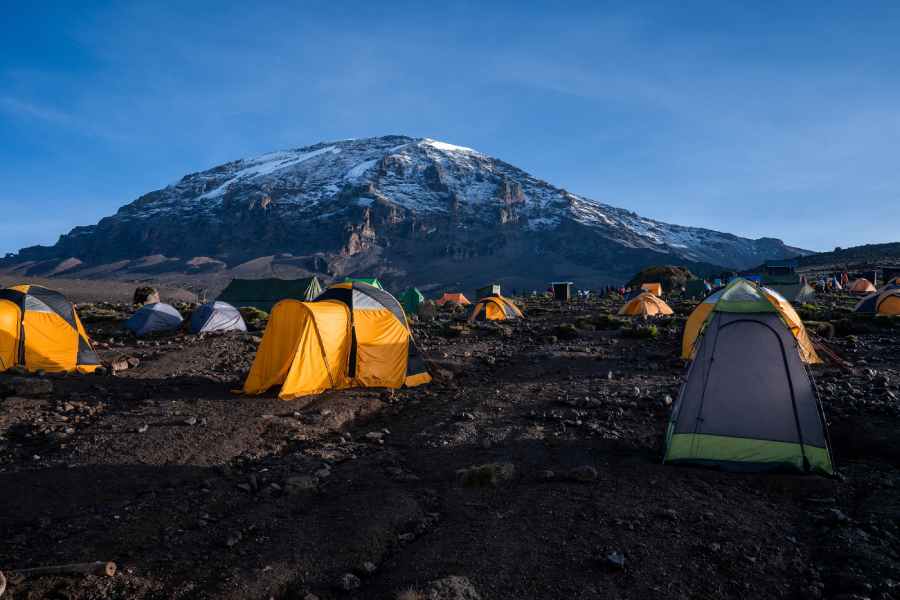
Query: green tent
x=370 y=280
x=411 y=299
x=748 y=402
x=265 y=293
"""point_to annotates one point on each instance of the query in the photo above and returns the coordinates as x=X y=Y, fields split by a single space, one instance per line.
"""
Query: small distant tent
x=352 y=335
x=373 y=281
x=452 y=297
x=562 y=291
x=748 y=402
x=696 y=288
x=836 y=284
x=154 y=318
x=488 y=290
x=265 y=293
x=645 y=305
x=862 y=286
x=217 y=316
x=654 y=288
x=411 y=300
x=717 y=282
x=494 y=308
x=40 y=330
x=698 y=319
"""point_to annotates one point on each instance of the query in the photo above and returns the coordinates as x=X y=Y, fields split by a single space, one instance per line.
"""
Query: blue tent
x=152 y=318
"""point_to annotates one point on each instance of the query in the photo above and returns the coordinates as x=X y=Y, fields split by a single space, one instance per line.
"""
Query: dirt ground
x=530 y=468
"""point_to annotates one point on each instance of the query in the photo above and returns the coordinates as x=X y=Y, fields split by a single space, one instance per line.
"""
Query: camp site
x=450 y=300
x=516 y=400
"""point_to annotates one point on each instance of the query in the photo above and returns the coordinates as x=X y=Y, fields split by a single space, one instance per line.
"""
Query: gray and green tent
x=266 y=293
x=411 y=300
x=749 y=402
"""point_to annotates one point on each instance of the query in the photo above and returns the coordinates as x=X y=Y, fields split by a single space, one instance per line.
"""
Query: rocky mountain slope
x=410 y=210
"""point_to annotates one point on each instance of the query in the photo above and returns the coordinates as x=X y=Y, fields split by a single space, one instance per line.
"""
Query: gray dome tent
x=217 y=316
x=153 y=318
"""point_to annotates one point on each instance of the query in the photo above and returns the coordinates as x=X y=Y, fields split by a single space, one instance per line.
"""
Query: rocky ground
x=530 y=468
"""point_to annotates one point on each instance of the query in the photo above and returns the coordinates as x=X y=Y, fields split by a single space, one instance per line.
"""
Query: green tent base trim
x=701 y=448
x=745 y=306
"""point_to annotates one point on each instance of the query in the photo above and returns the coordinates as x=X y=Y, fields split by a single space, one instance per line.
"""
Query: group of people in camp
x=748 y=400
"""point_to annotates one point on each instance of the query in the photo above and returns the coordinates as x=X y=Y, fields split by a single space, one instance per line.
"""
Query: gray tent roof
x=153 y=318
x=217 y=316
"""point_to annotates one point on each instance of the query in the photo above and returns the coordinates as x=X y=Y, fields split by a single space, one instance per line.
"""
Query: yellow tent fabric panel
x=50 y=343
x=693 y=327
x=382 y=348
x=512 y=305
x=890 y=305
x=291 y=331
x=10 y=321
x=493 y=311
x=320 y=358
x=795 y=323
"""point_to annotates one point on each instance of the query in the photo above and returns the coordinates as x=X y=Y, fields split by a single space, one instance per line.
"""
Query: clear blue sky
x=757 y=118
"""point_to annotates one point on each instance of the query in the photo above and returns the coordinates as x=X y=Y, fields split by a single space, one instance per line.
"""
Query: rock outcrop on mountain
x=408 y=210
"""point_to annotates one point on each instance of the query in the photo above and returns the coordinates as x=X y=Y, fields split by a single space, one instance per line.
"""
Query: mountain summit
x=414 y=210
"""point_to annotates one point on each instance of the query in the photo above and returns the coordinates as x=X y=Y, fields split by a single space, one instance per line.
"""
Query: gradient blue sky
x=757 y=118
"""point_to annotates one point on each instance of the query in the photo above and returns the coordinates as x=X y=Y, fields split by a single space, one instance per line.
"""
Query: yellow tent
x=352 y=335
x=40 y=330
x=645 y=304
x=653 y=288
x=701 y=314
x=862 y=286
x=495 y=308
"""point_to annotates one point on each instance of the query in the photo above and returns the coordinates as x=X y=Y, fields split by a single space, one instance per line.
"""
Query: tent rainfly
x=40 y=330
x=645 y=304
x=452 y=297
x=217 y=316
x=154 y=318
x=494 y=308
x=265 y=293
x=748 y=402
x=373 y=281
x=352 y=335
x=411 y=300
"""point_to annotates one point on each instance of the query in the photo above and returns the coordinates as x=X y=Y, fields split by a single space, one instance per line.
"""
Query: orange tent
x=862 y=286
x=645 y=305
x=454 y=297
x=653 y=288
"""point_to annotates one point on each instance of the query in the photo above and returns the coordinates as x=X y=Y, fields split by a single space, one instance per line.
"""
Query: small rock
x=451 y=588
x=143 y=428
x=233 y=539
x=368 y=567
x=191 y=421
x=299 y=484
x=348 y=582
x=584 y=473
x=488 y=474
x=615 y=560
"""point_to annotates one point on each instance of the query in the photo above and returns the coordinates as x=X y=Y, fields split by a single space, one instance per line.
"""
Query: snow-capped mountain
x=414 y=209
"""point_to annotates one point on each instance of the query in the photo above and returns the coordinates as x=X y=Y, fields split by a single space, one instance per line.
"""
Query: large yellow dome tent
x=352 y=335
x=645 y=304
x=495 y=308
x=40 y=330
x=732 y=295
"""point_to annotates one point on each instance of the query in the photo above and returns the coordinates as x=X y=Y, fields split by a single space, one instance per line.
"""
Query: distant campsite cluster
x=748 y=397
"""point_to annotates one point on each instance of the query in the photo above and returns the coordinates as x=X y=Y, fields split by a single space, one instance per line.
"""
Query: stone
x=615 y=560
x=299 y=484
x=29 y=386
x=491 y=474
x=453 y=587
x=583 y=473
x=348 y=582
